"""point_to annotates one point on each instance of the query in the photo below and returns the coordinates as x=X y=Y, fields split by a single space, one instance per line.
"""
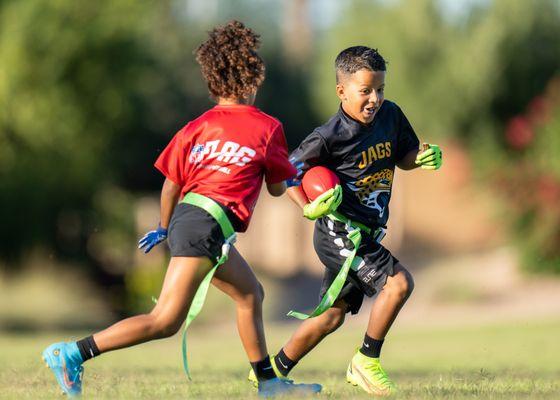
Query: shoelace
x=379 y=373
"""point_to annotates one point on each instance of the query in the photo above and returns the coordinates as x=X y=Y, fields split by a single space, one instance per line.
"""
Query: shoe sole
x=358 y=380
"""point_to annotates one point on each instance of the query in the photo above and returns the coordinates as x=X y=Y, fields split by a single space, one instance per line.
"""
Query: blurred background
x=91 y=92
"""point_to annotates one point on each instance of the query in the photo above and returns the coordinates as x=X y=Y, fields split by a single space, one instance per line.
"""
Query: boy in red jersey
x=214 y=168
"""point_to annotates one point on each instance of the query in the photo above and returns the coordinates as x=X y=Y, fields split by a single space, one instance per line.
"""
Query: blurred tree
x=88 y=93
x=452 y=78
x=91 y=92
x=469 y=79
x=528 y=181
x=287 y=49
x=410 y=36
x=502 y=59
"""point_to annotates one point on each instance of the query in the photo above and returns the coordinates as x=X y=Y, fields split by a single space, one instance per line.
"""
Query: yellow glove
x=431 y=158
x=323 y=204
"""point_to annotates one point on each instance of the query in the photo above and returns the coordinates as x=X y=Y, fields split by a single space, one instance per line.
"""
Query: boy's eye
x=365 y=91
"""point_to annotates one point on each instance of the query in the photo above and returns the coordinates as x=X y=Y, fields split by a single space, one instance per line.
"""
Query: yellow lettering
x=380 y=147
x=375 y=153
x=371 y=155
x=363 y=163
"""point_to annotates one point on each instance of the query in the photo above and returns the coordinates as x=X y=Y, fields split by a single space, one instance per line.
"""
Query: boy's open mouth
x=370 y=110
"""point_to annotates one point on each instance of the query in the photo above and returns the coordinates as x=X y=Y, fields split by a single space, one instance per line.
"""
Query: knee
x=332 y=319
x=401 y=285
x=252 y=299
x=164 y=326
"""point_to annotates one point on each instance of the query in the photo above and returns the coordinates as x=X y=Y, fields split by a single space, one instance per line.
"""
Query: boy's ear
x=340 y=92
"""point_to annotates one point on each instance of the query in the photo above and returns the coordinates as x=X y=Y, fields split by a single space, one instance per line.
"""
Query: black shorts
x=376 y=263
x=194 y=233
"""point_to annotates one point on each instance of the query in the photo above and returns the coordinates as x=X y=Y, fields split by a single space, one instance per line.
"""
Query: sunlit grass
x=513 y=361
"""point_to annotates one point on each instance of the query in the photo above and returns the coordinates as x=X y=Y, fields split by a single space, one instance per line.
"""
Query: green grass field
x=514 y=361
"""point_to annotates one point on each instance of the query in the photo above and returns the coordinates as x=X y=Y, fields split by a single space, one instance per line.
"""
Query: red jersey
x=225 y=153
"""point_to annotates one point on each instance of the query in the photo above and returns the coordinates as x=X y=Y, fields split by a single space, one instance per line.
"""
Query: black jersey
x=362 y=156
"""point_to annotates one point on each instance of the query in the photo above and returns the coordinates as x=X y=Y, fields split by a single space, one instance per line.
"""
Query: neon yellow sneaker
x=367 y=373
x=253 y=378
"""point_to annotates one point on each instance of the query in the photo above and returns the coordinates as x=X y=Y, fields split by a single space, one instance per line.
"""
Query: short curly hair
x=356 y=58
x=229 y=61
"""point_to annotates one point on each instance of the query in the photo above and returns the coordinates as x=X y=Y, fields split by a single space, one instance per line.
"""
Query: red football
x=317 y=181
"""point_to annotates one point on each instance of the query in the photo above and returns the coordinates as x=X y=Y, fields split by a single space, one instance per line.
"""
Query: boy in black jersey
x=362 y=143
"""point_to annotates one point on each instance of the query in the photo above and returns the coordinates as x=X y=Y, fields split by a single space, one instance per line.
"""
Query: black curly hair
x=356 y=58
x=229 y=61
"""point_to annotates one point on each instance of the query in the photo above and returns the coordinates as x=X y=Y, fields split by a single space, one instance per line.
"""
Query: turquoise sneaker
x=65 y=361
x=279 y=387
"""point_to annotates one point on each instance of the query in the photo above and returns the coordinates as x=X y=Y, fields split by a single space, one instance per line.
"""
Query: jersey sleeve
x=311 y=152
x=277 y=166
x=406 y=139
x=171 y=161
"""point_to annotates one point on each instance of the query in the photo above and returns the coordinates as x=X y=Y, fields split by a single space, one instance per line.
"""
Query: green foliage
x=89 y=95
x=529 y=180
x=410 y=36
x=466 y=79
x=87 y=92
x=452 y=79
x=522 y=158
x=90 y=92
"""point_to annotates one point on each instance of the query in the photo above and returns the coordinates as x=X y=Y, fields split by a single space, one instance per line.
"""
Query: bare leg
x=313 y=330
x=182 y=279
x=389 y=302
x=384 y=311
x=236 y=279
